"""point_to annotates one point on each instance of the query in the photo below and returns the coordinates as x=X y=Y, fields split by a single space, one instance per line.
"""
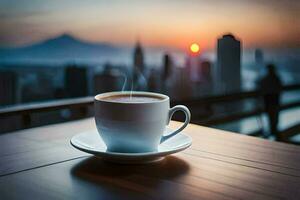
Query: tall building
x=8 y=87
x=76 y=81
x=205 y=70
x=228 y=71
x=138 y=65
x=40 y=89
x=188 y=67
x=138 y=57
x=259 y=57
x=206 y=82
x=167 y=67
x=153 y=81
x=109 y=80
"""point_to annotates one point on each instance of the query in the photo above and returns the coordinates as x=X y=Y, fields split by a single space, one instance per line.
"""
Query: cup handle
x=187 y=120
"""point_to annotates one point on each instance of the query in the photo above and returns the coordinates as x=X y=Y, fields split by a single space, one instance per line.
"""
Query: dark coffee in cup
x=132 y=98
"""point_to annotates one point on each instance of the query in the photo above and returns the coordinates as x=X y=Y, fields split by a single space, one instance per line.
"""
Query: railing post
x=26 y=120
x=83 y=110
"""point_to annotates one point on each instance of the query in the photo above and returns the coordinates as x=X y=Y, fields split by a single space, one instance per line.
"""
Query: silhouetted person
x=270 y=86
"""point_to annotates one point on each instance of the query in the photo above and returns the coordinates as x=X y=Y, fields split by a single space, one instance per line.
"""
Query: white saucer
x=91 y=142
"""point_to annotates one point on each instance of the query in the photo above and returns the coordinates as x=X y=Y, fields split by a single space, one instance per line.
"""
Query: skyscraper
x=167 y=67
x=138 y=65
x=228 y=72
x=76 y=81
x=259 y=57
x=8 y=87
x=205 y=70
x=109 y=80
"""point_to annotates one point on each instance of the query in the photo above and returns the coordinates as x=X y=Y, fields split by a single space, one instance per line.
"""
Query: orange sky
x=258 y=23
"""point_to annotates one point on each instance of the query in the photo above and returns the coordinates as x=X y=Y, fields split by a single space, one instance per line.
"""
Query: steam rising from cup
x=136 y=82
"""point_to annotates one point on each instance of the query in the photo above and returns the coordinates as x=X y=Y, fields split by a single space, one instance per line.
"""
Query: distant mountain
x=64 y=47
x=67 y=49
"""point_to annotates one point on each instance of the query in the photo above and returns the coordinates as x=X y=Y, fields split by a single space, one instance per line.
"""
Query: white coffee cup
x=135 y=126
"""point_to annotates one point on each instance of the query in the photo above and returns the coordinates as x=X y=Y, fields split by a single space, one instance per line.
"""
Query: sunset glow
x=255 y=22
x=194 y=48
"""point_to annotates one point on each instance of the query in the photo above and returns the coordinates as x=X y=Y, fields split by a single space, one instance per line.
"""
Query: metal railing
x=81 y=105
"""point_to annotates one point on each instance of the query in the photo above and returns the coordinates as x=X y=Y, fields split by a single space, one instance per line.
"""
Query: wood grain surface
x=40 y=163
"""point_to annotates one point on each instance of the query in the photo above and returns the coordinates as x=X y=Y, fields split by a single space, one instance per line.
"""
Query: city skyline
x=266 y=24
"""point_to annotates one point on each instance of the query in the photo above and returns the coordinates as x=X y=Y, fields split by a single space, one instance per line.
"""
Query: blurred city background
x=235 y=64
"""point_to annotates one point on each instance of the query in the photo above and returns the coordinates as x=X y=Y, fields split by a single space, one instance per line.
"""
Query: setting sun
x=194 y=48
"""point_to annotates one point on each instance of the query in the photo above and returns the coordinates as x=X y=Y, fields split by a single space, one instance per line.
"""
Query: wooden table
x=40 y=163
